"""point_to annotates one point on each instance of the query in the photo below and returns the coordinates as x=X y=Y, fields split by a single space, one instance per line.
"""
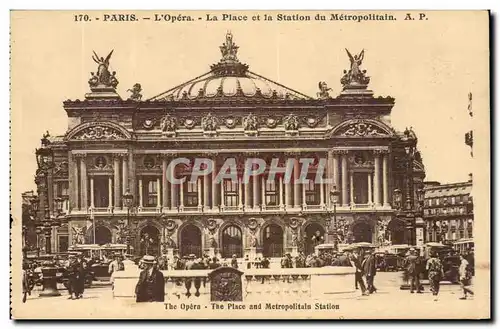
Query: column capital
x=293 y=154
x=380 y=151
x=118 y=156
x=168 y=155
x=340 y=152
x=79 y=155
x=210 y=154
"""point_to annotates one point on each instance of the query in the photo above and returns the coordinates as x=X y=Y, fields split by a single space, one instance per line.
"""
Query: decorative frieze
x=250 y=125
x=168 y=125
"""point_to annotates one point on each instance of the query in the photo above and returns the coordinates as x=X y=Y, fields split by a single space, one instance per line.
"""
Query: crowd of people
x=415 y=266
x=150 y=286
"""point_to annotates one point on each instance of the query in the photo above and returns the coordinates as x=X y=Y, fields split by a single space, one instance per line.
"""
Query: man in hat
x=74 y=272
x=358 y=276
x=413 y=266
x=234 y=261
x=178 y=264
x=191 y=262
x=370 y=269
x=116 y=264
x=214 y=263
x=151 y=284
x=286 y=261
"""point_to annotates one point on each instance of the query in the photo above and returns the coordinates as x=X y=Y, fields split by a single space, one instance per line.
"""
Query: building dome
x=229 y=78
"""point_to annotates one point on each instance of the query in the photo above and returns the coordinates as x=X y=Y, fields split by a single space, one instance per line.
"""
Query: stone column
x=206 y=192
x=222 y=196
x=181 y=196
x=200 y=194
x=240 y=194
x=336 y=173
x=263 y=192
x=296 y=185
x=255 y=181
x=165 y=182
x=83 y=183
x=322 y=193
x=174 y=188
x=158 y=194
x=344 y=180
x=125 y=184
x=92 y=204
x=141 y=202
x=248 y=201
x=329 y=172
x=288 y=193
x=117 y=191
x=376 y=178
x=303 y=189
x=132 y=175
x=282 y=206
x=370 y=199
x=110 y=193
x=73 y=181
x=385 y=178
x=215 y=190
x=351 y=188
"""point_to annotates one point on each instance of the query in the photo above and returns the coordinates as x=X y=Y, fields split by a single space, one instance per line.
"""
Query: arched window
x=362 y=232
x=232 y=242
x=102 y=235
x=190 y=241
x=314 y=235
x=150 y=241
x=273 y=241
x=396 y=231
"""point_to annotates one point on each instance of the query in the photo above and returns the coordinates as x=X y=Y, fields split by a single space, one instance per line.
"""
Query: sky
x=429 y=67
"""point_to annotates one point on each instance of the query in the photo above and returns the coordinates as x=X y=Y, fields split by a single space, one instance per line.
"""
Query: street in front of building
x=389 y=299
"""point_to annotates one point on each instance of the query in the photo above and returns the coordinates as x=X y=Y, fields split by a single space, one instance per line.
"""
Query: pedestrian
x=81 y=276
x=265 y=263
x=465 y=273
x=413 y=266
x=435 y=273
x=72 y=274
x=247 y=261
x=370 y=269
x=348 y=252
x=115 y=265
x=358 y=276
x=286 y=261
x=234 y=261
x=151 y=284
x=214 y=263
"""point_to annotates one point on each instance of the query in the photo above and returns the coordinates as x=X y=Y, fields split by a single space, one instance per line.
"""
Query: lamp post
x=419 y=211
x=128 y=201
x=334 y=199
x=444 y=230
x=397 y=201
x=434 y=237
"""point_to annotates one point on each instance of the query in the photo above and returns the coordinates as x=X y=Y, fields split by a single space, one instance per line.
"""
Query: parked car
x=387 y=261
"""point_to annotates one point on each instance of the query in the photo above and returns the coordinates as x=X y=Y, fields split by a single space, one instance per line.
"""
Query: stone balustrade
x=258 y=284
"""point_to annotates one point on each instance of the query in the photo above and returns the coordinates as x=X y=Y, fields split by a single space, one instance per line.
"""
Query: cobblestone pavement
x=388 y=302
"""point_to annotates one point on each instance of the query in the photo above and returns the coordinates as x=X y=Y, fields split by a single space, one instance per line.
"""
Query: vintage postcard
x=250 y=164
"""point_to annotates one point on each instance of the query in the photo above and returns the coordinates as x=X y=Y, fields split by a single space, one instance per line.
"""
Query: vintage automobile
x=449 y=258
x=101 y=255
x=387 y=261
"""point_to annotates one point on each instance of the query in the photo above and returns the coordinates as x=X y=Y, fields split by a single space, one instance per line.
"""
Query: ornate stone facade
x=116 y=145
